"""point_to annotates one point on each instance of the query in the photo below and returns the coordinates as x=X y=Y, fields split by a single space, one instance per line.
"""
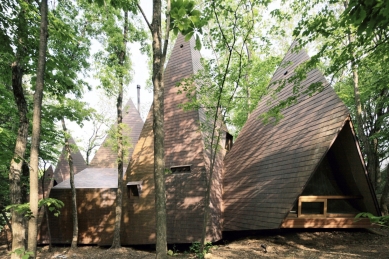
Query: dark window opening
x=180 y=169
x=55 y=183
x=229 y=141
x=312 y=208
x=134 y=188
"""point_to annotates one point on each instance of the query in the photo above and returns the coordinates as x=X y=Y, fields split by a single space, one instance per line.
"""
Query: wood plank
x=326 y=223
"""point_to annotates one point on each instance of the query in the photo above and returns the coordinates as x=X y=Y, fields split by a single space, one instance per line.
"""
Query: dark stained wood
x=184 y=145
x=105 y=157
x=62 y=170
x=339 y=222
x=270 y=164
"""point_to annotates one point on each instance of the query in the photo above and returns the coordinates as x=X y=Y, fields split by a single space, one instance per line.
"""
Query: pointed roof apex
x=105 y=157
x=184 y=60
x=62 y=170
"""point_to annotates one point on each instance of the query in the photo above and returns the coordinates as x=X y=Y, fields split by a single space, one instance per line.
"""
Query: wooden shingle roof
x=105 y=157
x=93 y=178
x=62 y=171
x=270 y=164
x=184 y=147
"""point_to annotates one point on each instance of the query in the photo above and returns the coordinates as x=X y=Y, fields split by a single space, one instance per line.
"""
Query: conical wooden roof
x=62 y=171
x=184 y=147
x=270 y=164
x=105 y=157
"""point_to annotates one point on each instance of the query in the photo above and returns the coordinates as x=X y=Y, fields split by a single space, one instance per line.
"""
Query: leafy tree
x=36 y=129
x=232 y=81
x=181 y=16
x=349 y=36
x=114 y=68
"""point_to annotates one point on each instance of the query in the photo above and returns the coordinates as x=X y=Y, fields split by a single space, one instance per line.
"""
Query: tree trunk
x=367 y=150
x=385 y=193
x=18 y=230
x=72 y=186
x=366 y=145
x=158 y=128
x=119 y=104
x=36 y=129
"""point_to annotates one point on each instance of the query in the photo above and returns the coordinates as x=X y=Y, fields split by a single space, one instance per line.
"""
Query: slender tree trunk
x=209 y=181
x=72 y=186
x=18 y=230
x=36 y=130
x=371 y=162
x=385 y=194
x=119 y=192
x=159 y=133
x=248 y=95
x=366 y=145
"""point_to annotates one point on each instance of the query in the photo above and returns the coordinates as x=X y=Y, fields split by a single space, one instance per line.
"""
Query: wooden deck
x=331 y=221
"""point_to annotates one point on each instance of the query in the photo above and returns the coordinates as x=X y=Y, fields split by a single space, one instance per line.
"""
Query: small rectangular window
x=134 y=188
x=312 y=206
x=229 y=141
x=180 y=169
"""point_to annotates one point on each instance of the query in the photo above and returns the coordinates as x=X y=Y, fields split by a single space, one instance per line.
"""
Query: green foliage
x=195 y=248
x=185 y=18
x=367 y=16
x=53 y=205
x=22 y=253
x=112 y=137
x=22 y=209
x=382 y=221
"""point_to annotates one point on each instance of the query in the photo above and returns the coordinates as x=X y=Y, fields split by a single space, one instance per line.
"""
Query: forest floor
x=358 y=243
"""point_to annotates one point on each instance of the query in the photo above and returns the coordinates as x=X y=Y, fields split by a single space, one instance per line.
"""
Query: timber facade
x=304 y=171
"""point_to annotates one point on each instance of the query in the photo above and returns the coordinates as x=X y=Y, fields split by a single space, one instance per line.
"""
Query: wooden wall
x=96 y=215
x=184 y=145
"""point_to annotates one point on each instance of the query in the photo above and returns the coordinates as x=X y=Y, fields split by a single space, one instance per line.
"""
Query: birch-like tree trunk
x=159 y=133
x=18 y=229
x=371 y=160
x=72 y=186
x=119 y=105
x=36 y=130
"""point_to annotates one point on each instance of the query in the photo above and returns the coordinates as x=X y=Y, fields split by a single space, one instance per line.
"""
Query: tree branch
x=144 y=16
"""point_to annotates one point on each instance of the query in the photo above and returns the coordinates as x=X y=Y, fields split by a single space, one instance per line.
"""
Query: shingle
x=62 y=170
x=105 y=156
x=269 y=165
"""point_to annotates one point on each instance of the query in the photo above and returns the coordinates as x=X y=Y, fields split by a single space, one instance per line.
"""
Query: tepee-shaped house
x=105 y=156
x=62 y=170
x=96 y=192
x=304 y=171
x=187 y=160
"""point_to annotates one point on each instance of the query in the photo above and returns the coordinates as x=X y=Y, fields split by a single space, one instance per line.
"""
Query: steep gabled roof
x=184 y=147
x=105 y=157
x=270 y=164
x=62 y=171
x=93 y=178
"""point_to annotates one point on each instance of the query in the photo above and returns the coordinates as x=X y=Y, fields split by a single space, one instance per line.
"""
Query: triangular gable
x=62 y=171
x=105 y=157
x=184 y=156
x=269 y=165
